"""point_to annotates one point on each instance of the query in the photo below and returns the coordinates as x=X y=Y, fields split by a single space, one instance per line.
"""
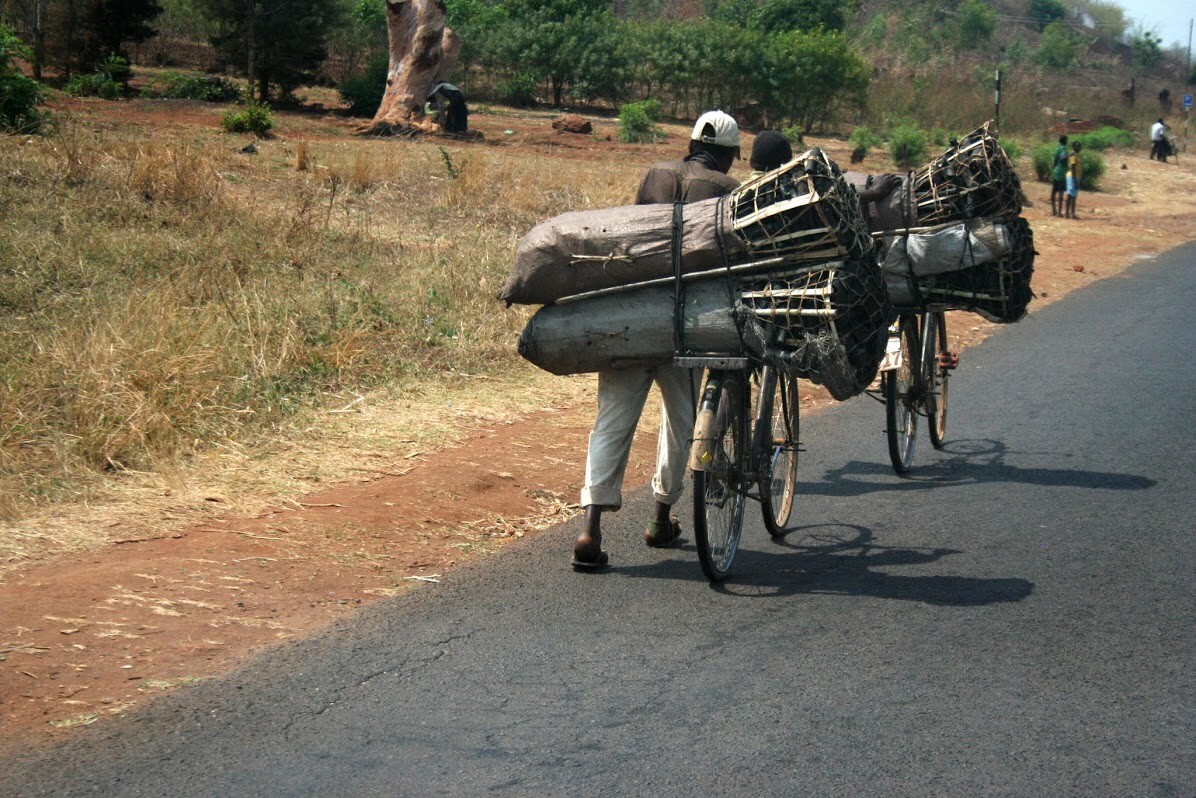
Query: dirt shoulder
x=187 y=574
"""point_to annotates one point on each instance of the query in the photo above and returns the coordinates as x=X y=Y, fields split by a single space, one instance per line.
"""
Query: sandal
x=588 y=554
x=598 y=563
x=658 y=538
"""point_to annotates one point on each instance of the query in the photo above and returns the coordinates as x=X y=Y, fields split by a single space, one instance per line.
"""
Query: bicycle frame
x=750 y=428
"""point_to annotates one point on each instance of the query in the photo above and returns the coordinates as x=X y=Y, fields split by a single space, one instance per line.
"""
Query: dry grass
x=164 y=297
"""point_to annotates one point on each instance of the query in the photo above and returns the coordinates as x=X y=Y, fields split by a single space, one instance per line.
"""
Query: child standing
x=1074 y=172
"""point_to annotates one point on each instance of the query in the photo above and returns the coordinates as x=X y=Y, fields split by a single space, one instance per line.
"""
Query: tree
x=111 y=24
x=1046 y=12
x=79 y=35
x=360 y=39
x=781 y=16
x=551 y=38
x=1059 y=48
x=1145 y=51
x=33 y=13
x=977 y=22
x=812 y=76
x=19 y=95
x=476 y=22
x=278 y=42
x=422 y=52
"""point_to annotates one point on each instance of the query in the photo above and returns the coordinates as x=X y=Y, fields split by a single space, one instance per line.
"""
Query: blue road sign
x=1187 y=101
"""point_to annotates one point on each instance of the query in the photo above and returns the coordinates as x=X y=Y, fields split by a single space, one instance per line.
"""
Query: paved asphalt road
x=1014 y=620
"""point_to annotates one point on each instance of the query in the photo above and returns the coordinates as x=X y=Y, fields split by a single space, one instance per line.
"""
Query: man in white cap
x=702 y=174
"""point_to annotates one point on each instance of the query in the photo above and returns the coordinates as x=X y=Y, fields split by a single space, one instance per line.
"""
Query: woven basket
x=832 y=321
x=1000 y=292
x=971 y=179
x=804 y=211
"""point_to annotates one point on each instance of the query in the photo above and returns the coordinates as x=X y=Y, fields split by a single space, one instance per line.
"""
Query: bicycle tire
x=935 y=376
x=718 y=487
x=900 y=387
x=778 y=469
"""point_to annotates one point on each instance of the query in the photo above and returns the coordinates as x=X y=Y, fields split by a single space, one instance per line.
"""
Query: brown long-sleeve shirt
x=683 y=181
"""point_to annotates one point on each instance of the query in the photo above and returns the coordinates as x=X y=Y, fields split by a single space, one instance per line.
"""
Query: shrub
x=364 y=92
x=977 y=22
x=1105 y=137
x=1094 y=169
x=637 y=122
x=795 y=134
x=252 y=118
x=1043 y=158
x=1046 y=12
x=519 y=91
x=1059 y=47
x=184 y=86
x=1012 y=149
x=1093 y=166
x=907 y=146
x=19 y=95
x=863 y=138
x=109 y=81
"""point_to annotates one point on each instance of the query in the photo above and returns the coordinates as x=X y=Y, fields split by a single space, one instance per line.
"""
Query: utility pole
x=1188 y=64
x=997 y=100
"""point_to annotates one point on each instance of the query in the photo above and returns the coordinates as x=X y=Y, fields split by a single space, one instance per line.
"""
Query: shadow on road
x=966 y=462
x=840 y=559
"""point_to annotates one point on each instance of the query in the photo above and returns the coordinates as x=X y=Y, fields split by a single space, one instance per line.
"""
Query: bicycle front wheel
x=778 y=472
x=899 y=387
x=935 y=373
x=718 y=487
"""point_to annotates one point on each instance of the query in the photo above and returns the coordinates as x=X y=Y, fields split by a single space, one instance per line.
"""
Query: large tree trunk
x=422 y=52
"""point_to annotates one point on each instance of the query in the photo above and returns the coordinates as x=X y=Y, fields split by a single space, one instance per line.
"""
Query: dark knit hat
x=770 y=150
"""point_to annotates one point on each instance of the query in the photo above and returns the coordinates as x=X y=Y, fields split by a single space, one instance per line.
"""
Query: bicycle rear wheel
x=935 y=374
x=778 y=472
x=900 y=386
x=718 y=488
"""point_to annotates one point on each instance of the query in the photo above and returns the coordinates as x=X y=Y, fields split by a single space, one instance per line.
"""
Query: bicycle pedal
x=949 y=360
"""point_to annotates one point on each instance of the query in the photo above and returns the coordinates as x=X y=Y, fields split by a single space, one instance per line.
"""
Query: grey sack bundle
x=832 y=319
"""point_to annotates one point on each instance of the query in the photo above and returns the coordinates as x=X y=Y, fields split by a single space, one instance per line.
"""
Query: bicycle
x=724 y=471
x=914 y=377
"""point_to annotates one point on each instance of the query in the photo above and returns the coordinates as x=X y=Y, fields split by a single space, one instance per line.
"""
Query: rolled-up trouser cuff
x=609 y=499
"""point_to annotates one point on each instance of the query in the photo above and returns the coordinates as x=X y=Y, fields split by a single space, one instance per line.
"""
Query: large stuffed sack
x=825 y=322
x=802 y=212
x=584 y=251
x=961 y=272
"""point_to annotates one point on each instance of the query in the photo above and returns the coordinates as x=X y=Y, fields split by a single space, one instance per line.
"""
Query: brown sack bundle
x=803 y=212
x=584 y=251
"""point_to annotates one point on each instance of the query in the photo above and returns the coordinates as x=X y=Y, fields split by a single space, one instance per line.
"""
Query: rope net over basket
x=972 y=178
x=998 y=291
x=832 y=322
x=803 y=211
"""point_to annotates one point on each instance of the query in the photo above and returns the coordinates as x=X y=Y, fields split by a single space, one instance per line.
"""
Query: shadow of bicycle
x=972 y=461
x=844 y=560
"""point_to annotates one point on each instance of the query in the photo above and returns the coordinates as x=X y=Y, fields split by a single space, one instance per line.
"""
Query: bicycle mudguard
x=701 y=450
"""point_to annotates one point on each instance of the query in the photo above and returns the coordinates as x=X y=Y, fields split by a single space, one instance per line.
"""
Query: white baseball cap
x=726 y=132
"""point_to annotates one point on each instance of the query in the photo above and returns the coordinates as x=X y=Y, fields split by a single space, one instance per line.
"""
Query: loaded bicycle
x=914 y=376
x=745 y=446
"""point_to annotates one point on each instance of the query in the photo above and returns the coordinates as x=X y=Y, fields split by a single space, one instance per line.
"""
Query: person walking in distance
x=1059 y=177
x=1075 y=171
x=1158 y=140
x=702 y=174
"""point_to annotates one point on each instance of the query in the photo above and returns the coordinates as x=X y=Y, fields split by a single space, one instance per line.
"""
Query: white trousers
x=621 y=397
